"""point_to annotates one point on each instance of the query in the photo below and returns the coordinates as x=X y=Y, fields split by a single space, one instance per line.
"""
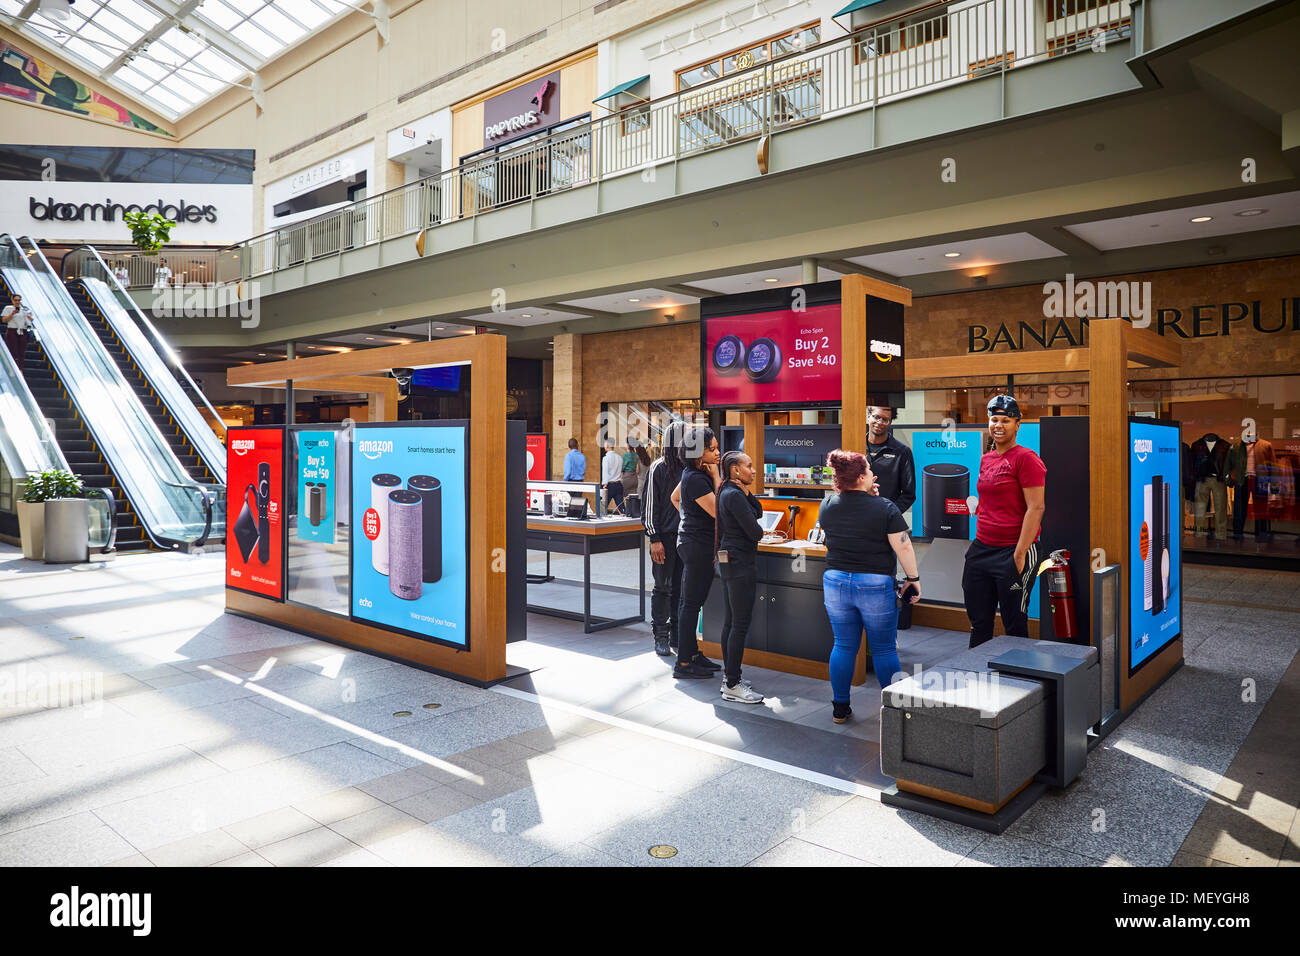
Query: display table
x=789 y=631
x=587 y=537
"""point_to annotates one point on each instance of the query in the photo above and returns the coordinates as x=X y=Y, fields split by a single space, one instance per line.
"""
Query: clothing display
x=1251 y=468
x=1210 y=471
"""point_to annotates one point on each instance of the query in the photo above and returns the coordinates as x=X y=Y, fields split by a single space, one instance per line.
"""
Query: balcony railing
x=886 y=61
x=140 y=270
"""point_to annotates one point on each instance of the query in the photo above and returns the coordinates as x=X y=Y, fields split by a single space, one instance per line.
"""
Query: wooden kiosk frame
x=485 y=660
x=856 y=292
x=1115 y=346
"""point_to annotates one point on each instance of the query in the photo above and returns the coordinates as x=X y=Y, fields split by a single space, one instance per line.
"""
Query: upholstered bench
x=961 y=733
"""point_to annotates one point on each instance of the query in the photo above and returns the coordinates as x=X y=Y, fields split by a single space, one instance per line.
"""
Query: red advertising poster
x=773 y=358
x=254 y=511
x=538 y=455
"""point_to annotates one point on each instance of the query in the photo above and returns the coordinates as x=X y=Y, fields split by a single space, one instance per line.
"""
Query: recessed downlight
x=527 y=315
x=1201 y=218
x=771 y=280
x=440 y=328
x=951 y=255
x=634 y=300
x=370 y=338
x=1251 y=212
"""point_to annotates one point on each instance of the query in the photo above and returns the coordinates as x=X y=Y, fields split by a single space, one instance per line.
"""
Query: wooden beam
x=853 y=358
x=1152 y=350
x=452 y=351
x=487 y=511
x=1003 y=363
x=866 y=285
x=1108 y=439
x=755 y=426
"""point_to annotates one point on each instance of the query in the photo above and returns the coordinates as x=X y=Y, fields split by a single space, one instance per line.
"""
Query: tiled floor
x=141 y=726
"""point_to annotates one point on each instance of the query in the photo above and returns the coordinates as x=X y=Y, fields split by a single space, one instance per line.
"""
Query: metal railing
x=140 y=270
x=895 y=58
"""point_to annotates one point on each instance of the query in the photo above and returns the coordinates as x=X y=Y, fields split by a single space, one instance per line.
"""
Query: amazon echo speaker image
x=380 y=486
x=430 y=489
x=405 y=543
x=942 y=483
x=315 y=503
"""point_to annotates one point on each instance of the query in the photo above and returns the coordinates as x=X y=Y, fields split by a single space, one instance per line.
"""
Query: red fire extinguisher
x=1060 y=590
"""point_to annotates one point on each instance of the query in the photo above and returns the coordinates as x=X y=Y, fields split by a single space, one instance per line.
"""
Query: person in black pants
x=738 y=533
x=1002 y=561
x=659 y=518
x=697 y=499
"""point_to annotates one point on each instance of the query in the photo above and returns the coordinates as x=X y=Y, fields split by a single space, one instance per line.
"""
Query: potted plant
x=54 y=518
x=149 y=230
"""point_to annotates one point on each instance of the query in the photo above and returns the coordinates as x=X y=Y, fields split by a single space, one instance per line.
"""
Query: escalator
x=109 y=436
x=171 y=431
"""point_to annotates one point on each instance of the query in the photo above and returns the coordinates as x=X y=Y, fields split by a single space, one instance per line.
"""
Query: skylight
x=173 y=54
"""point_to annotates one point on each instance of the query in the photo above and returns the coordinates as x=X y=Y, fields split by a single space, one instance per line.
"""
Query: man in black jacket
x=660 y=519
x=890 y=459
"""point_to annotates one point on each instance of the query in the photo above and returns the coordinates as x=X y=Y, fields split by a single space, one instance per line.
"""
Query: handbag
x=246 y=534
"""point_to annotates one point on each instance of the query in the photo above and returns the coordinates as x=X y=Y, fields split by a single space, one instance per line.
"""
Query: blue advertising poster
x=947 y=463
x=410 y=547
x=316 y=477
x=1155 y=538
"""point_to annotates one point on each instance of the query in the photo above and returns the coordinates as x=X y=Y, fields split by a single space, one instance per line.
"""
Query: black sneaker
x=692 y=671
x=842 y=712
x=699 y=660
x=662 y=648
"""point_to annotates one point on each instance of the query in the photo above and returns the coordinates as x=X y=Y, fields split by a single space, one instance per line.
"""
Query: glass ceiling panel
x=179 y=69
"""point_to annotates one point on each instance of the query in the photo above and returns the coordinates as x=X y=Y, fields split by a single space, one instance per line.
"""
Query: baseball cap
x=1004 y=405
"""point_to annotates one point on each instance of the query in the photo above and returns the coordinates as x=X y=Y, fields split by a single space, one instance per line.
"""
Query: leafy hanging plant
x=149 y=230
x=50 y=484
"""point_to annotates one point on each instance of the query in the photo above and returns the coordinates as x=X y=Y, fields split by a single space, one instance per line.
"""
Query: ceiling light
x=771 y=280
x=261 y=355
x=1252 y=212
x=634 y=300
x=440 y=328
x=1201 y=218
x=370 y=338
x=951 y=255
x=526 y=315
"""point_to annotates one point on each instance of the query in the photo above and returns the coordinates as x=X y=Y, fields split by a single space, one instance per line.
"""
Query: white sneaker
x=741 y=693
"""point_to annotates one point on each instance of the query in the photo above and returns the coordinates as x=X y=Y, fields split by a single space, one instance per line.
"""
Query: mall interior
x=336 y=310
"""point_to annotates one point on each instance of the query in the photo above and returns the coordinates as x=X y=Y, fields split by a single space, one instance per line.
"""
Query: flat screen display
x=443 y=379
x=1155 y=538
x=410 y=547
x=781 y=357
x=254 y=509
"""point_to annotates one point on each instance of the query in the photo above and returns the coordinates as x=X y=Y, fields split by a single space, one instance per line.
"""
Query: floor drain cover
x=663 y=851
x=432 y=706
x=401 y=713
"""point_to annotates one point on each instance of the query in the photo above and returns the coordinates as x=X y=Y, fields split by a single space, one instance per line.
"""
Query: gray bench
x=960 y=733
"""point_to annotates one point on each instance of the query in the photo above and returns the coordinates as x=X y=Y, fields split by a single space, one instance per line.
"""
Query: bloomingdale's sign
x=1195 y=322
x=51 y=210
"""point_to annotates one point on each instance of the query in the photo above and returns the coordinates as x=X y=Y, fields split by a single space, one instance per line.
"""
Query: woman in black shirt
x=698 y=499
x=738 y=533
x=864 y=534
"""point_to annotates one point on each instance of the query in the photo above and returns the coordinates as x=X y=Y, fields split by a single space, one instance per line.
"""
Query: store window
x=1241 y=449
x=793 y=41
x=727 y=112
x=553 y=159
x=645 y=422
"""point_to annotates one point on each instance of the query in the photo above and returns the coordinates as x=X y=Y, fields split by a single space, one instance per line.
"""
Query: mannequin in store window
x=1210 y=469
x=1251 y=470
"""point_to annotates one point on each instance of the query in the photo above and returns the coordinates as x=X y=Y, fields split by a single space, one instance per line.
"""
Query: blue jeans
x=855 y=602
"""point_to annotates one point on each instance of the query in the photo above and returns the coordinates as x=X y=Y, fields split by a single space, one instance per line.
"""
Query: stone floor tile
x=308 y=849
x=202 y=849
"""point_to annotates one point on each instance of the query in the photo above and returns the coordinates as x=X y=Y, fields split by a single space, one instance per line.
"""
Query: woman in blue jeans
x=864 y=535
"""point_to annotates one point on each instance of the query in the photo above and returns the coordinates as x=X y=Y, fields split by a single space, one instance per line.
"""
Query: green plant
x=52 y=483
x=149 y=230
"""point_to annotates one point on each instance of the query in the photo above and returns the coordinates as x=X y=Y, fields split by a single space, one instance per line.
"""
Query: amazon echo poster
x=316 y=482
x=1155 y=538
x=410 y=546
x=947 y=463
x=254 y=511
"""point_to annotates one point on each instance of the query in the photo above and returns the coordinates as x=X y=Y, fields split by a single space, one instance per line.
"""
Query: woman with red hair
x=864 y=535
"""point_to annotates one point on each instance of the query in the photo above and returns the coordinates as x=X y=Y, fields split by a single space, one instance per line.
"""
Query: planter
x=67 y=530
x=31 y=527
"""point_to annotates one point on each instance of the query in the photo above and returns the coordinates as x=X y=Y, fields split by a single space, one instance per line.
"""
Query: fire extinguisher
x=1060 y=590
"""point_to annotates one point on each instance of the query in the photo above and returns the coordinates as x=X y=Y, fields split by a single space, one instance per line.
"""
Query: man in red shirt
x=1002 y=561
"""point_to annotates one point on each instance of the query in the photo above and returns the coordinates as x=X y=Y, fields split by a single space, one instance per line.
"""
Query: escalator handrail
x=206 y=498
x=110 y=540
x=143 y=320
x=162 y=540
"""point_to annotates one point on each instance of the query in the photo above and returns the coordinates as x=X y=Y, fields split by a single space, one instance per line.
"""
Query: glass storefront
x=1241 y=449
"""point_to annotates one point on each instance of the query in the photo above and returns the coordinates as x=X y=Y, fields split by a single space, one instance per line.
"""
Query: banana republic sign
x=1070 y=330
